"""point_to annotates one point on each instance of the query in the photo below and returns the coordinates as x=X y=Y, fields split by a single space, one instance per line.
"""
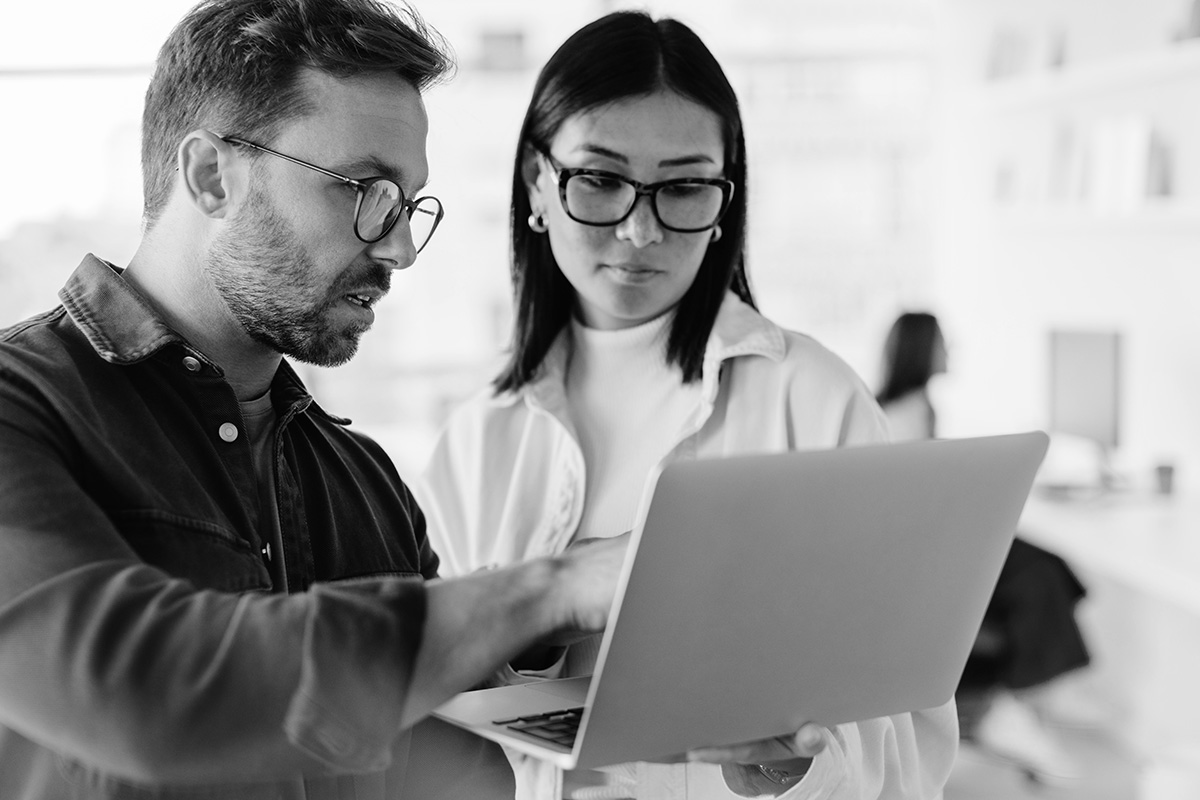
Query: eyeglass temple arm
x=285 y=157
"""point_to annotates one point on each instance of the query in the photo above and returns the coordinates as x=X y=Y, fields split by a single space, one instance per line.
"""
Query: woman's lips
x=631 y=273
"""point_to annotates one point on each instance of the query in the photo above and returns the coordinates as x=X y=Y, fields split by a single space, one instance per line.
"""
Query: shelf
x=1045 y=89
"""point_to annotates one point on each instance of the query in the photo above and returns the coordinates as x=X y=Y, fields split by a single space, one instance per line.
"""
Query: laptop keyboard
x=558 y=727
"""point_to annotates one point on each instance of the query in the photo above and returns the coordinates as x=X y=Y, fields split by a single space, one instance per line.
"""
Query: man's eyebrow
x=371 y=167
x=695 y=158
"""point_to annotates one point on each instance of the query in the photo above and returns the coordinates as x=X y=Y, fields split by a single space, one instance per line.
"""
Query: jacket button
x=228 y=431
x=191 y=364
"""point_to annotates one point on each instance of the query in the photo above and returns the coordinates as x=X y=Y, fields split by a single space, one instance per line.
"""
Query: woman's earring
x=716 y=234
x=537 y=223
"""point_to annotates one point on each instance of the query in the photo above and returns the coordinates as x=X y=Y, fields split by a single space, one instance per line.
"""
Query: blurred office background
x=1018 y=167
x=839 y=100
x=1029 y=170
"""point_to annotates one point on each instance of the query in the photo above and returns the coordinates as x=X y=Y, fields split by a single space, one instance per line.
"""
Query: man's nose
x=396 y=249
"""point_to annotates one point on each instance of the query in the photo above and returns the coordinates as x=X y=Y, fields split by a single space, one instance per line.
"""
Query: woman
x=1029 y=635
x=636 y=342
x=913 y=353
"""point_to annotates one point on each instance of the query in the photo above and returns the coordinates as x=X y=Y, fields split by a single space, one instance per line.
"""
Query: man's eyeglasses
x=380 y=202
x=685 y=205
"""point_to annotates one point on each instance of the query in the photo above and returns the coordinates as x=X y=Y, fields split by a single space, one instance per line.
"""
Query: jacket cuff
x=360 y=646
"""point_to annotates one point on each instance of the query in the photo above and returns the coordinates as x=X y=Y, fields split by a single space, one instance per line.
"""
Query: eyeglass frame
x=640 y=189
x=407 y=207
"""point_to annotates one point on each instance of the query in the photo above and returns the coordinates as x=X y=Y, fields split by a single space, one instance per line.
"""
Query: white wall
x=1008 y=272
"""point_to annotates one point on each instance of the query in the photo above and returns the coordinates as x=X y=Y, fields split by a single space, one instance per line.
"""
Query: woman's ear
x=209 y=174
x=531 y=173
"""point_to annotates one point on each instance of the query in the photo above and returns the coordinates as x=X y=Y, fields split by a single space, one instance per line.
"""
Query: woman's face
x=940 y=356
x=636 y=270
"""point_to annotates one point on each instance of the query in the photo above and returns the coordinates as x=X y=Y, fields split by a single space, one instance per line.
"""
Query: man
x=210 y=587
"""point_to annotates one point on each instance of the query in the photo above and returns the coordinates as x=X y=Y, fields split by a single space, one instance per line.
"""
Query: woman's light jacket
x=506 y=482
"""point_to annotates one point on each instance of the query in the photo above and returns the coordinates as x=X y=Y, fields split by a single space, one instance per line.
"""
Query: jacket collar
x=738 y=330
x=123 y=328
x=118 y=322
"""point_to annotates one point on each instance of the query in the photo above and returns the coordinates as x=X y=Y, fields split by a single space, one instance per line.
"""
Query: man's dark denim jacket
x=142 y=649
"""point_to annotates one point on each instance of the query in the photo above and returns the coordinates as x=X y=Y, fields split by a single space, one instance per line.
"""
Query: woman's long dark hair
x=908 y=362
x=621 y=55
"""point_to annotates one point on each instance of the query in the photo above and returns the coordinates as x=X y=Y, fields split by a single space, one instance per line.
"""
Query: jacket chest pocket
x=202 y=552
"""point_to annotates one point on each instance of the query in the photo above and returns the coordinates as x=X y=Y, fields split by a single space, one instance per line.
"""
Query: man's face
x=287 y=262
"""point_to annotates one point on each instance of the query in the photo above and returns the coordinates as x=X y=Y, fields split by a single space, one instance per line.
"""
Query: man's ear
x=210 y=174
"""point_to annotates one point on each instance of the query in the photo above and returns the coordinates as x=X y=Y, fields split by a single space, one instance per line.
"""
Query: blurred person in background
x=913 y=354
x=637 y=342
x=209 y=586
x=1029 y=634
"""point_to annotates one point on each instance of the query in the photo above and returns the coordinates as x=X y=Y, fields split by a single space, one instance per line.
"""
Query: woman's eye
x=684 y=190
x=599 y=183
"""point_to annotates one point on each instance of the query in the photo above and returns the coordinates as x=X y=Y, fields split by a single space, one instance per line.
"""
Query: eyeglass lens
x=602 y=200
x=382 y=201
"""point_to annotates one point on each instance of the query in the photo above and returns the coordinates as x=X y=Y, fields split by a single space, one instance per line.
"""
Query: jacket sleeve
x=902 y=757
x=119 y=667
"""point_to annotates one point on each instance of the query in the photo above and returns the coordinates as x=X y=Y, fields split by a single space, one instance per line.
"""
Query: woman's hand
x=767 y=766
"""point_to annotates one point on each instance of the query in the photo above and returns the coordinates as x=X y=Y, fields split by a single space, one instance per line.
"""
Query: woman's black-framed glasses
x=600 y=198
x=380 y=202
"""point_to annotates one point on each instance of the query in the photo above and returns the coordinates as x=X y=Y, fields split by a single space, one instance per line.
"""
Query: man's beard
x=269 y=283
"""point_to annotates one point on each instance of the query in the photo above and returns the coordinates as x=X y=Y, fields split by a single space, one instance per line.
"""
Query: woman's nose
x=641 y=227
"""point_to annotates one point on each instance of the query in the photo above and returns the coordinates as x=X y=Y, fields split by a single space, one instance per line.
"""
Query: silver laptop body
x=767 y=590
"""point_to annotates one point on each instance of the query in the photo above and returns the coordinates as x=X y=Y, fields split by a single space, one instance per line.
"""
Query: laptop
x=763 y=591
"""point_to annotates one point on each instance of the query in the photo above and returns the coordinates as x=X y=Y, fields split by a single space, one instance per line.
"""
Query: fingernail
x=812 y=738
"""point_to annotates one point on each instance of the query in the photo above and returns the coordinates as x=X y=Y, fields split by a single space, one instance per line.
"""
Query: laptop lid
x=768 y=590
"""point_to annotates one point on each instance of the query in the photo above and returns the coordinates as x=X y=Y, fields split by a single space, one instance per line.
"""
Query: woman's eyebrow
x=694 y=158
x=600 y=150
x=698 y=158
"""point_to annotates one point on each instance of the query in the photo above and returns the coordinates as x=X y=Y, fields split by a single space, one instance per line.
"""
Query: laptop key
x=559 y=727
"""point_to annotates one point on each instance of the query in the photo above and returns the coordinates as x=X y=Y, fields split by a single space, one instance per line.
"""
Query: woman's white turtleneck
x=628 y=406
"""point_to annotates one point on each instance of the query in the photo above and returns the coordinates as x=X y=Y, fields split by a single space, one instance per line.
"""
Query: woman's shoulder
x=909 y=415
x=804 y=348
x=744 y=332
x=910 y=400
x=802 y=356
x=797 y=375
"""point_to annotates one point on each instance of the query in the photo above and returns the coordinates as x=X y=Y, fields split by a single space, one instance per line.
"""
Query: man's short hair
x=233 y=66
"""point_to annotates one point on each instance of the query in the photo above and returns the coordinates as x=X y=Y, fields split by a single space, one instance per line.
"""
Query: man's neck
x=174 y=284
